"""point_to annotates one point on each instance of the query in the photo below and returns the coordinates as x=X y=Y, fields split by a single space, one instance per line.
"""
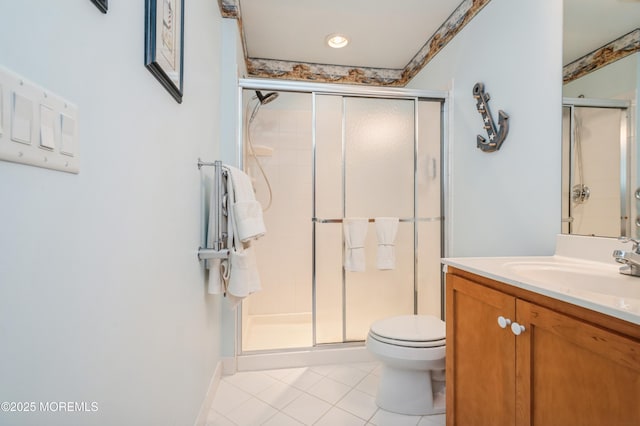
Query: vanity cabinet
x=553 y=363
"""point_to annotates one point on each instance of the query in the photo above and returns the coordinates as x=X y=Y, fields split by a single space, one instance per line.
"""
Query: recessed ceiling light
x=337 y=41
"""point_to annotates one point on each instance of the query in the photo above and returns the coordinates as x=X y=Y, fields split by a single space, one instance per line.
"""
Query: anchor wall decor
x=496 y=138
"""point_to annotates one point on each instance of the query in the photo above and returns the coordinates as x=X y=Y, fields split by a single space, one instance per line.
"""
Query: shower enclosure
x=596 y=172
x=327 y=153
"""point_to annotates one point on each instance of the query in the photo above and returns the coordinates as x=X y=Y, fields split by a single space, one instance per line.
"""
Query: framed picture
x=103 y=5
x=164 y=42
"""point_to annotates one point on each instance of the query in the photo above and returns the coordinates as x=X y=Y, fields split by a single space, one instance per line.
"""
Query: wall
x=506 y=202
x=102 y=298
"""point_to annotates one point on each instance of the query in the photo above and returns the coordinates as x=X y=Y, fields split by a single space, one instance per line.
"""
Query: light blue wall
x=101 y=295
x=506 y=202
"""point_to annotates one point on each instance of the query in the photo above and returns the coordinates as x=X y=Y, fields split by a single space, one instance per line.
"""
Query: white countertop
x=588 y=278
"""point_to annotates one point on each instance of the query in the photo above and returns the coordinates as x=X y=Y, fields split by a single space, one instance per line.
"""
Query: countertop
x=580 y=280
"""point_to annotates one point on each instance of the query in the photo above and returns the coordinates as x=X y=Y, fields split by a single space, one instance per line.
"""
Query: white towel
x=386 y=230
x=355 y=232
x=248 y=220
x=246 y=210
x=244 y=279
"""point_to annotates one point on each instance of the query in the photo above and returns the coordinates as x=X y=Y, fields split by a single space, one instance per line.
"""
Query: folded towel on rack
x=249 y=223
x=355 y=233
x=386 y=230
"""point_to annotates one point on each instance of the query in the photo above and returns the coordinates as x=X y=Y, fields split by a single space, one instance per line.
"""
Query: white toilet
x=412 y=351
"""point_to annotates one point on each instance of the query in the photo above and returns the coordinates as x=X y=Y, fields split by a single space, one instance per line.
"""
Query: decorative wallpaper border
x=607 y=54
x=269 y=68
x=229 y=8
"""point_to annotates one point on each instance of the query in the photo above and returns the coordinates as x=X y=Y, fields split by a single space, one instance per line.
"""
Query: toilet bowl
x=411 y=349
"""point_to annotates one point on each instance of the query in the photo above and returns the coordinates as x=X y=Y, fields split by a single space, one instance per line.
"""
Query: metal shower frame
x=315 y=89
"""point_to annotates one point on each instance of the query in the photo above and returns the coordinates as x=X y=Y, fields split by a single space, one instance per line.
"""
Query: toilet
x=411 y=349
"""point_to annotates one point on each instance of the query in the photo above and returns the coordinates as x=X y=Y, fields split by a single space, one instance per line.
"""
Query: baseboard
x=229 y=366
x=211 y=394
x=315 y=356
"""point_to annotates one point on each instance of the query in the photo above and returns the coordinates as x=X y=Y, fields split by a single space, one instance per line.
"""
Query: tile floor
x=332 y=395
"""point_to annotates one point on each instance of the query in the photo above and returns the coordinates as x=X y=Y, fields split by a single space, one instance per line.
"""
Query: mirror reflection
x=600 y=116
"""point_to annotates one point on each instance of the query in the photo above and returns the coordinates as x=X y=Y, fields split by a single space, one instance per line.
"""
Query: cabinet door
x=480 y=356
x=573 y=373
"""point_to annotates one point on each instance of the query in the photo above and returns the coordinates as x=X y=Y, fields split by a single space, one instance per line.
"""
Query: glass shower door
x=365 y=160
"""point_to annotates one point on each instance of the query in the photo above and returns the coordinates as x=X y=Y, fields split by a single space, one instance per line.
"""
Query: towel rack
x=220 y=248
x=371 y=220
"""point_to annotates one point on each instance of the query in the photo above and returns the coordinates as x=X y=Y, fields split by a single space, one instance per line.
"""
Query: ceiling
x=382 y=33
x=591 y=24
x=390 y=41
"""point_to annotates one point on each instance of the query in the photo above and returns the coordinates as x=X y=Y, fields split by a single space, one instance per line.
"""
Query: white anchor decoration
x=496 y=138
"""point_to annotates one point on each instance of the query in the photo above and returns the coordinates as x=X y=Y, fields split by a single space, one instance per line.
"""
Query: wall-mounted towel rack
x=219 y=247
x=371 y=220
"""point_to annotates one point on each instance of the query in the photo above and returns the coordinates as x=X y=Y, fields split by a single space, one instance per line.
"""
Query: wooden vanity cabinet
x=569 y=366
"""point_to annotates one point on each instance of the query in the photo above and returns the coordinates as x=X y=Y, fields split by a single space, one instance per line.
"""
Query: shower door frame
x=314 y=89
x=625 y=151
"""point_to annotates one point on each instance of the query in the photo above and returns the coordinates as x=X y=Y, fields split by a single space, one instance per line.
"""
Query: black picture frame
x=164 y=43
x=103 y=5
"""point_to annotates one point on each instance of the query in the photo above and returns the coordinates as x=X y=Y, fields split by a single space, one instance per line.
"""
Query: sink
x=581 y=279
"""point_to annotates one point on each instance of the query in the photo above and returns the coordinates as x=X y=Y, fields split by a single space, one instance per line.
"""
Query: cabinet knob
x=503 y=322
x=517 y=329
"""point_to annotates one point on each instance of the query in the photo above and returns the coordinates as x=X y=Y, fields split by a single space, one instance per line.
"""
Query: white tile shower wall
x=284 y=254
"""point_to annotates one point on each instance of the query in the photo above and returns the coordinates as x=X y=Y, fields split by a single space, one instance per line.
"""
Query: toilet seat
x=415 y=331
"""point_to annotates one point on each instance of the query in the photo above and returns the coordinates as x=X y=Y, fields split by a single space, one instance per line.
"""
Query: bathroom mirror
x=600 y=115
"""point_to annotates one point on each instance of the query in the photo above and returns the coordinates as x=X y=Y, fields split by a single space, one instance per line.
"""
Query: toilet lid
x=410 y=329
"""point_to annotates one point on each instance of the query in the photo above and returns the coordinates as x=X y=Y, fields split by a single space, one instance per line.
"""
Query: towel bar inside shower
x=371 y=219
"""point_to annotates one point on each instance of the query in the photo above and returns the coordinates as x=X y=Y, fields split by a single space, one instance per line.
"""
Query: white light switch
x=47 y=128
x=68 y=127
x=21 y=118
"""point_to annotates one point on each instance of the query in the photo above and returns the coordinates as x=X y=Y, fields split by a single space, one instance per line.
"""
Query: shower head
x=265 y=99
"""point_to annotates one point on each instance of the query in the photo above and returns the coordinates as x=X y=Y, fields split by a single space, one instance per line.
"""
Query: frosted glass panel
x=429 y=268
x=328 y=156
x=428 y=200
x=379 y=138
x=329 y=283
x=376 y=294
x=379 y=181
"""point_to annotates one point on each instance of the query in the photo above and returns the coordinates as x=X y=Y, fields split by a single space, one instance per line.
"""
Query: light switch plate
x=31 y=125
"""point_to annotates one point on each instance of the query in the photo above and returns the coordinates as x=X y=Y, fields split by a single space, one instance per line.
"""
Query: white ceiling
x=590 y=24
x=382 y=33
x=387 y=34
